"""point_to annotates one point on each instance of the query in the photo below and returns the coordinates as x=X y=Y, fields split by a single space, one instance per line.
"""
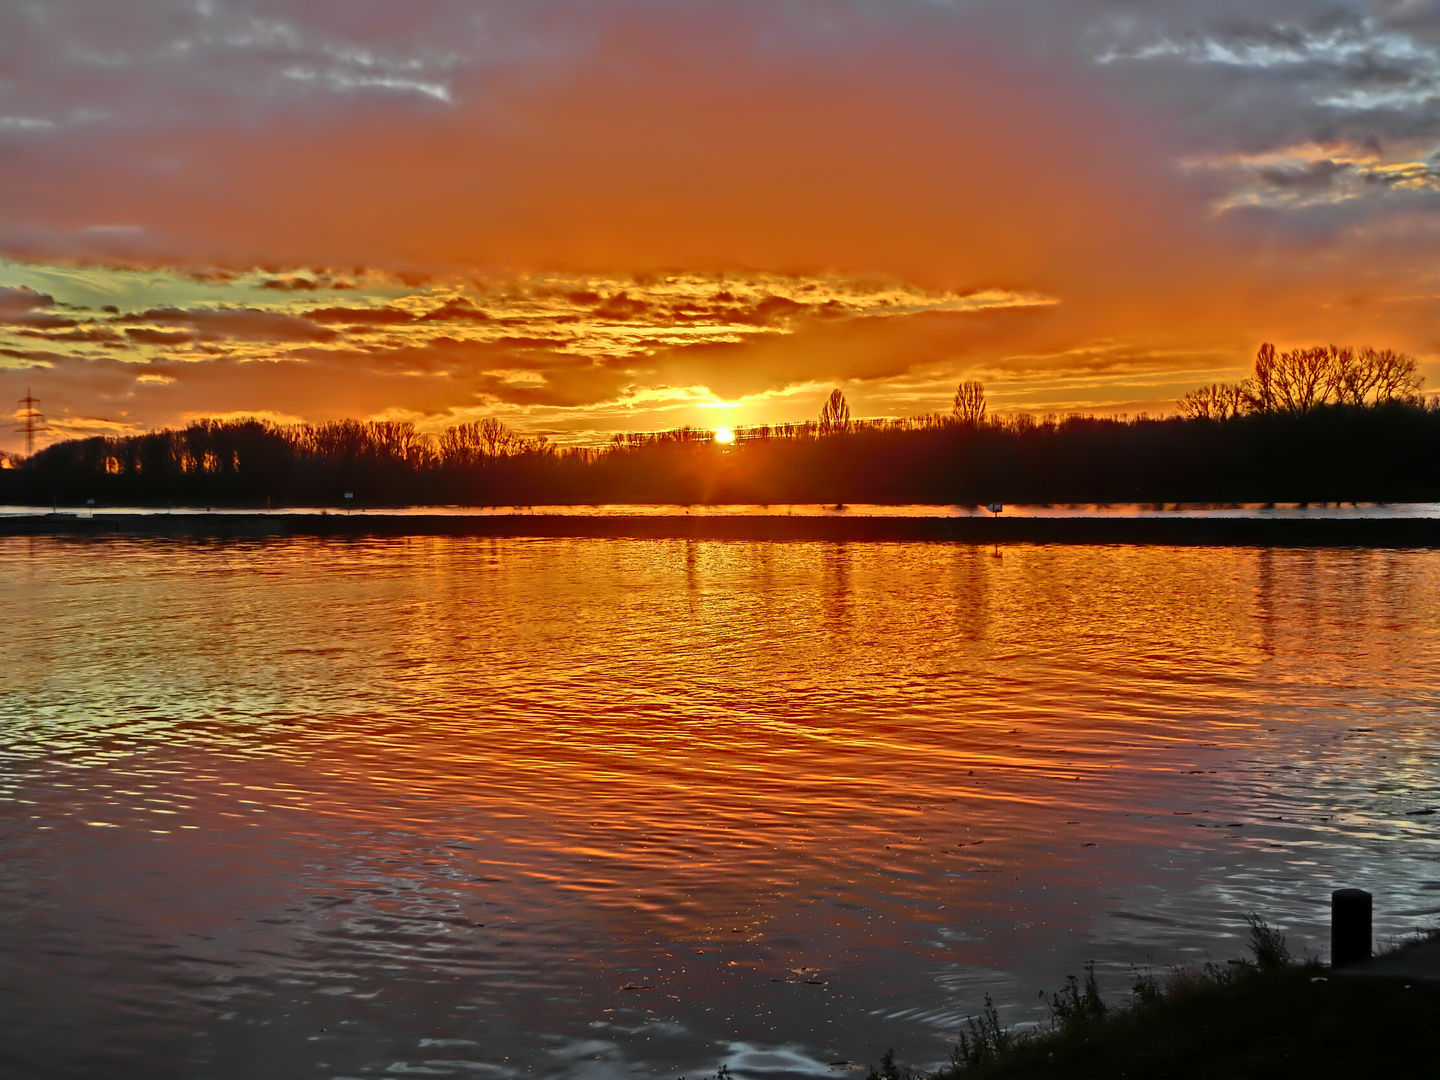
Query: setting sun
x=724 y=435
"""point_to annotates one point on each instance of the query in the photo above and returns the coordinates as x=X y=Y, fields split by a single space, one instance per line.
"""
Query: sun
x=724 y=435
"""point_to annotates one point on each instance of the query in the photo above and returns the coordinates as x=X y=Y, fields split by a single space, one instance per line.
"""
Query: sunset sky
x=584 y=217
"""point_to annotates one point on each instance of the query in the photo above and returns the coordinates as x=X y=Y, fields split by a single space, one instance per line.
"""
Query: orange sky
x=587 y=217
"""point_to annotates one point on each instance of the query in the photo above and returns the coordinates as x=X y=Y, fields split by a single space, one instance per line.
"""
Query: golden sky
x=585 y=217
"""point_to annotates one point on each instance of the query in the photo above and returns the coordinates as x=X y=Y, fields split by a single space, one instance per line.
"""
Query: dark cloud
x=96 y=334
x=34 y=356
x=243 y=324
x=773 y=310
x=724 y=307
x=22 y=300
x=24 y=306
x=39 y=320
x=1307 y=176
x=456 y=310
x=143 y=335
x=211 y=275
x=522 y=341
x=622 y=307
x=302 y=283
x=293 y=284
x=1275 y=70
x=382 y=316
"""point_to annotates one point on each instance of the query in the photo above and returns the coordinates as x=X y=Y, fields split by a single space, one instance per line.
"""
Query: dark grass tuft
x=1243 y=1022
x=1272 y=1016
x=1267 y=945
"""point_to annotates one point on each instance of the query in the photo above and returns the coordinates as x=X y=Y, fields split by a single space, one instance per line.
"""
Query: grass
x=1271 y=1016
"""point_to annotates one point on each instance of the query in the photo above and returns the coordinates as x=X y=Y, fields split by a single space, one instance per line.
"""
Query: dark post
x=1349 y=926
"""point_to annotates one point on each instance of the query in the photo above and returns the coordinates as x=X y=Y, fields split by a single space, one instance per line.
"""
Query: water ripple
x=589 y=808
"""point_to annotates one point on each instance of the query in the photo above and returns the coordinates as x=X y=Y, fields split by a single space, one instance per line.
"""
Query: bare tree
x=460 y=445
x=1373 y=376
x=1020 y=423
x=835 y=415
x=1396 y=376
x=397 y=440
x=969 y=406
x=1218 y=401
x=1260 y=394
x=495 y=438
x=1350 y=378
x=469 y=444
x=361 y=440
x=1302 y=379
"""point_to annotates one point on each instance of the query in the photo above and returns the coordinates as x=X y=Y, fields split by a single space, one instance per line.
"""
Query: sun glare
x=724 y=435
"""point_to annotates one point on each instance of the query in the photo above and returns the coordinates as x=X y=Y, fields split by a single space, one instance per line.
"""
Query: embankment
x=1178 y=530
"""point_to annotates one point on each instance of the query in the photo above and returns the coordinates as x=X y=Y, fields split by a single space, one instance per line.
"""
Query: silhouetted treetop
x=1303 y=379
x=835 y=414
x=969 y=404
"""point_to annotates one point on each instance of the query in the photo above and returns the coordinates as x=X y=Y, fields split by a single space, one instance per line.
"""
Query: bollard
x=1349 y=926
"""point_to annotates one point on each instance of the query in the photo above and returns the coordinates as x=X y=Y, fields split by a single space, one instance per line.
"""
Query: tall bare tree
x=1260 y=393
x=969 y=405
x=835 y=415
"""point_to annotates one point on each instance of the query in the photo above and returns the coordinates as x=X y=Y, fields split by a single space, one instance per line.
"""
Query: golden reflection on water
x=444 y=798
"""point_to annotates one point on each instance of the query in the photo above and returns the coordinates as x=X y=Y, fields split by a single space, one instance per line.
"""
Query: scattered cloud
x=161 y=60
x=544 y=343
x=26 y=123
x=338 y=78
x=1357 y=49
x=1316 y=174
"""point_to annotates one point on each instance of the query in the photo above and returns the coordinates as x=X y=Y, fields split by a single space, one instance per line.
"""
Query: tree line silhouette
x=1304 y=379
x=1316 y=425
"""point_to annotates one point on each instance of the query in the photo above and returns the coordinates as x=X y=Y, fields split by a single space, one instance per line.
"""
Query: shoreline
x=1177 y=531
x=1272 y=1015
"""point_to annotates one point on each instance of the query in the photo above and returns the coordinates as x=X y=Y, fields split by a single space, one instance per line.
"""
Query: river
x=454 y=806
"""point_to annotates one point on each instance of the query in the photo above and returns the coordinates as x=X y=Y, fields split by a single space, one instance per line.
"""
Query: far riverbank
x=1030 y=528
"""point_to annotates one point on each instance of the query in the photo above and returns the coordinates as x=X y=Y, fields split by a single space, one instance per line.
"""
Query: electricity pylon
x=31 y=419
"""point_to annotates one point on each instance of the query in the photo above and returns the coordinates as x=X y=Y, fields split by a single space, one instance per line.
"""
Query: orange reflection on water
x=500 y=779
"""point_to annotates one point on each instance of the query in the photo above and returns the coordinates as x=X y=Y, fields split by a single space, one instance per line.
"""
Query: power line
x=32 y=421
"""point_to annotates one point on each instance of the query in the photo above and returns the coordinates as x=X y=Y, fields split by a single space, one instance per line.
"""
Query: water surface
x=1260 y=511
x=590 y=808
